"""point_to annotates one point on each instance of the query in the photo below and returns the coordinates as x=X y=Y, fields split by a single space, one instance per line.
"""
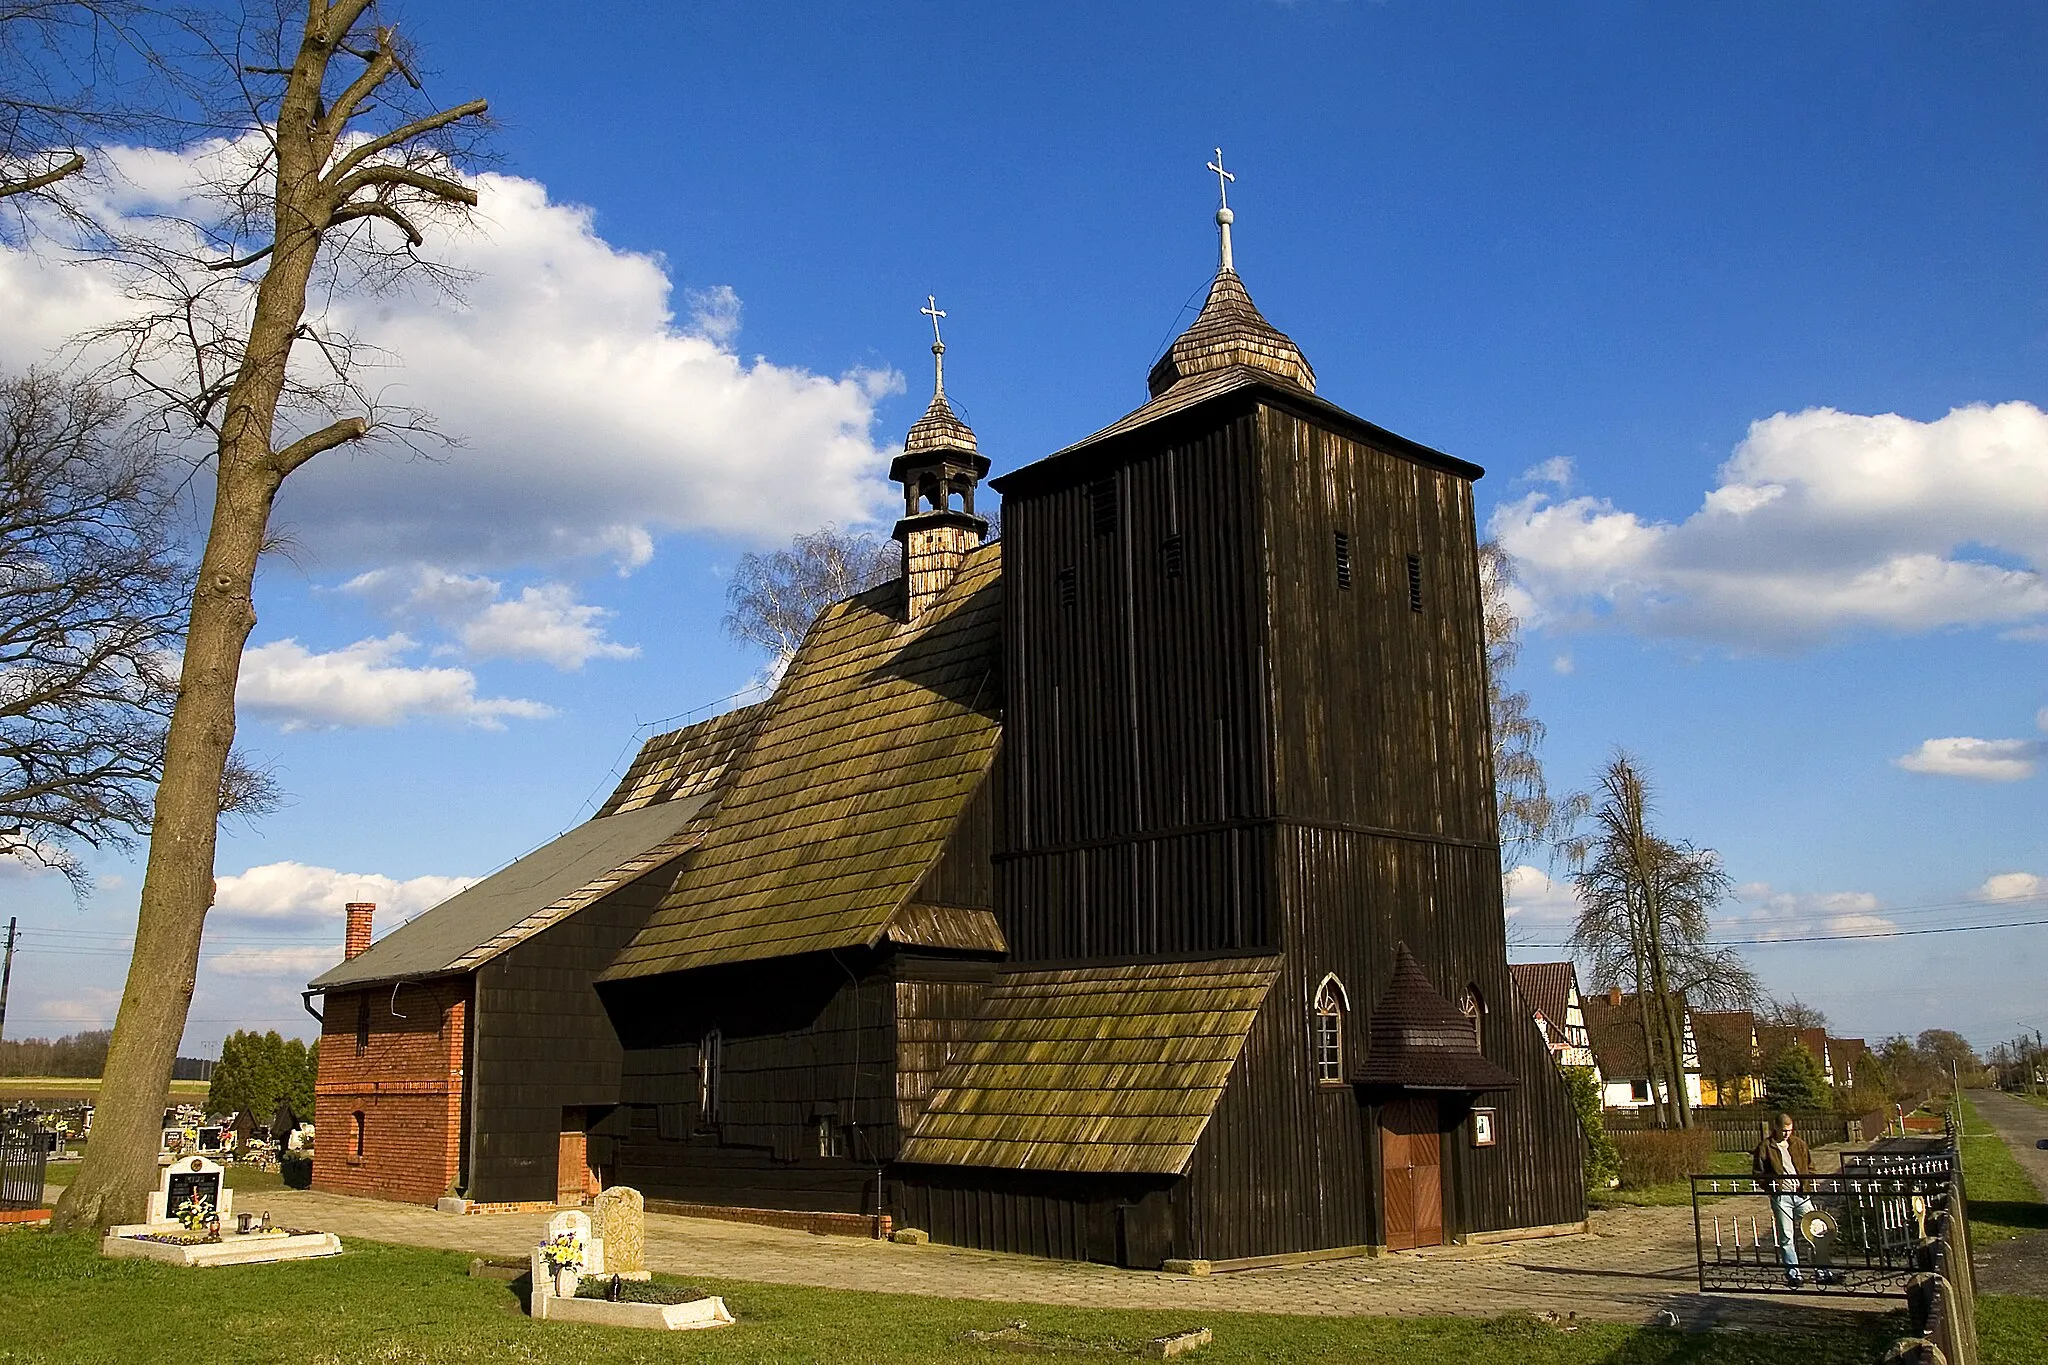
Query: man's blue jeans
x=1788 y=1210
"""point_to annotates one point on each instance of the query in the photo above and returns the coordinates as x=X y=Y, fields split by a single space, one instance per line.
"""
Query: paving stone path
x=1634 y=1265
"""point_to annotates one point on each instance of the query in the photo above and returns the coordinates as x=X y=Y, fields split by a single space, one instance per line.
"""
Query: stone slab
x=665 y=1317
x=232 y=1249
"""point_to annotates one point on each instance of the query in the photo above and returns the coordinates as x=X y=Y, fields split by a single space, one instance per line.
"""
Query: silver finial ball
x=1224 y=217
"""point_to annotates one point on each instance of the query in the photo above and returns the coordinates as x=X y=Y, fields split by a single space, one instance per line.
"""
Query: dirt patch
x=2019 y=1266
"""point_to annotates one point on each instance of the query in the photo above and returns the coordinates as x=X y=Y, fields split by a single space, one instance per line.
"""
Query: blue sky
x=1597 y=249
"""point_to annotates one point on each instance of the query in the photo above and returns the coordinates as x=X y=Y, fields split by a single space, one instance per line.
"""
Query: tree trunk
x=119 y=1169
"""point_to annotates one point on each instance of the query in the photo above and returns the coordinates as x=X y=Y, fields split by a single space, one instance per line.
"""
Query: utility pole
x=7 y=974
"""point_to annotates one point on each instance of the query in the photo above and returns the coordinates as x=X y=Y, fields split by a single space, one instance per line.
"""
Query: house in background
x=1550 y=991
x=1848 y=1059
x=1614 y=1027
x=466 y=1049
x=1731 y=1071
x=1773 y=1039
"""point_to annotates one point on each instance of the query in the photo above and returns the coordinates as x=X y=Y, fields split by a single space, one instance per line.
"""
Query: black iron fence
x=24 y=1152
x=1839 y=1234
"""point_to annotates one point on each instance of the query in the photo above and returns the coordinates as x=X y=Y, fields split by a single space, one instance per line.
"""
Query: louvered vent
x=1415 y=582
x=1344 y=559
x=1171 y=556
x=1102 y=506
x=1068 y=591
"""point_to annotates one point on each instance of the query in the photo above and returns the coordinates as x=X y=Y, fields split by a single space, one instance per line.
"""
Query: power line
x=1837 y=938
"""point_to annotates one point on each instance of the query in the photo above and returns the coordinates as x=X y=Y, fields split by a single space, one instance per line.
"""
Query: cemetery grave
x=191 y=1221
x=582 y=1270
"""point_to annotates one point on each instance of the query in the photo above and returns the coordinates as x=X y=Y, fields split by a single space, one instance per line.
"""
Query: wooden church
x=1126 y=890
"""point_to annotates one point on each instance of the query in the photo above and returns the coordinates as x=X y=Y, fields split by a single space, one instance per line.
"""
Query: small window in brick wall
x=1344 y=559
x=1067 y=587
x=1102 y=508
x=1172 y=557
x=1415 y=582
x=357 y=1129
x=362 y=1023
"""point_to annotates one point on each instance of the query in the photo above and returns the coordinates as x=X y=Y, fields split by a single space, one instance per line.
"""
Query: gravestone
x=182 y=1178
x=620 y=1217
x=578 y=1222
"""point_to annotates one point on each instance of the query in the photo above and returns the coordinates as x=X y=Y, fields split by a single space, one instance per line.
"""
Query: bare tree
x=774 y=597
x=93 y=587
x=1644 y=923
x=1792 y=1012
x=72 y=71
x=1529 y=816
x=344 y=163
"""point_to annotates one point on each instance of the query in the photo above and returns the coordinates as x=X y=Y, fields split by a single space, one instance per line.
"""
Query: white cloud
x=1555 y=471
x=1536 y=898
x=2013 y=886
x=1564 y=665
x=591 y=420
x=1822 y=522
x=363 y=684
x=1982 y=760
x=1775 y=914
x=544 y=622
x=298 y=891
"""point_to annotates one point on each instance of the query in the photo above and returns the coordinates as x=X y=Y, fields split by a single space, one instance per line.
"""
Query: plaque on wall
x=1482 y=1128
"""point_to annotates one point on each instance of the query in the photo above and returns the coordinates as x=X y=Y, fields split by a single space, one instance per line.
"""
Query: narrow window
x=1102 y=506
x=1639 y=1092
x=1328 y=1034
x=831 y=1141
x=362 y=1023
x=1474 y=1008
x=356 y=1132
x=707 y=1076
x=1415 y=582
x=1344 y=560
x=1170 y=556
x=1068 y=591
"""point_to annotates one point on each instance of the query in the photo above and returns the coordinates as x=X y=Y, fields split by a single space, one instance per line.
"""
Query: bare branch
x=315 y=443
x=69 y=167
x=376 y=208
x=411 y=132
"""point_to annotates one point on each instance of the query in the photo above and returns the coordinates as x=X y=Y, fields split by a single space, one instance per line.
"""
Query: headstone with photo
x=185 y=1178
x=619 y=1217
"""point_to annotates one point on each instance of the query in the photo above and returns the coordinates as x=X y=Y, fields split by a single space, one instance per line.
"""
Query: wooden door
x=572 y=1160
x=1411 y=1174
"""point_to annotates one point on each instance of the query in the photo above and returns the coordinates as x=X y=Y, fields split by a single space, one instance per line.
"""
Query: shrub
x=296 y=1172
x=1603 y=1163
x=1662 y=1157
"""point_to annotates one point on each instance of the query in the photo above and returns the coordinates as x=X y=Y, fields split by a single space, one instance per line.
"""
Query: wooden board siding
x=1135 y=752
x=933 y=1020
x=877 y=738
x=544 y=1043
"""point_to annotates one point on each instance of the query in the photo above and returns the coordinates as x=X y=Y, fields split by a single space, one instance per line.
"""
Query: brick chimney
x=358 y=936
x=1613 y=992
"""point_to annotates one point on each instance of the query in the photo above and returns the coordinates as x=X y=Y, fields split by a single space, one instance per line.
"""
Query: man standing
x=1778 y=1162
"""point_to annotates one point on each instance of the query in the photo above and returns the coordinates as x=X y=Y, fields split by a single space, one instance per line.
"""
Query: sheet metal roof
x=656 y=814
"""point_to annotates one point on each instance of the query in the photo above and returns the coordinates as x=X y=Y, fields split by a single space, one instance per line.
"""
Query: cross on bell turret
x=940 y=468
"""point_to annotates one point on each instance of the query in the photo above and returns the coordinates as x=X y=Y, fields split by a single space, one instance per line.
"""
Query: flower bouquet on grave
x=564 y=1256
x=194 y=1213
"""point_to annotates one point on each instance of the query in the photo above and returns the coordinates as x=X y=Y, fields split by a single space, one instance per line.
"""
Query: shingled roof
x=1230 y=331
x=1546 y=988
x=656 y=815
x=1093 y=1069
x=872 y=744
x=1419 y=1041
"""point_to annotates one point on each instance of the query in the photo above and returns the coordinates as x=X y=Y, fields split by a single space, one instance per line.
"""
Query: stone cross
x=620 y=1217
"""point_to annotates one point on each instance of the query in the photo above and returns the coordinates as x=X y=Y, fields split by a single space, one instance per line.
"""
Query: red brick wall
x=406 y=1082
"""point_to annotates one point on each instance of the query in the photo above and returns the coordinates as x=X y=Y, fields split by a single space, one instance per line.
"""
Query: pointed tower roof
x=940 y=432
x=1420 y=1041
x=1231 y=331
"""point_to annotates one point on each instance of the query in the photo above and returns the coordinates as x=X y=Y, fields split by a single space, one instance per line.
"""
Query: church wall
x=545 y=1044
x=1135 y=744
x=397 y=1060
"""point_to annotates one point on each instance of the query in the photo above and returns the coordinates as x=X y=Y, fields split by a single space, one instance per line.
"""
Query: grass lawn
x=379 y=1303
x=2003 y=1200
x=2012 y=1330
x=1678 y=1192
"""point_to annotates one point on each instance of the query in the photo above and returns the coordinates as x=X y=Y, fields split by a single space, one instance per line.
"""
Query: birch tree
x=1645 y=923
x=1529 y=817
x=345 y=165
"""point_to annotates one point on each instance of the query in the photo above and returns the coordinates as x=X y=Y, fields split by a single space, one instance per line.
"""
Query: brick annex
x=1127 y=889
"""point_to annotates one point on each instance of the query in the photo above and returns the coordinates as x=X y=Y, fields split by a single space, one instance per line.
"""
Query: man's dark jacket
x=1768 y=1166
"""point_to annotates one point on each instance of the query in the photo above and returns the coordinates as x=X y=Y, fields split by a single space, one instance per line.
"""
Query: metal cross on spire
x=932 y=310
x=1224 y=217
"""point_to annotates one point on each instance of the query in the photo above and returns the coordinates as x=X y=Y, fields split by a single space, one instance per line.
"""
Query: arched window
x=356 y=1134
x=1473 y=1006
x=1327 y=1034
